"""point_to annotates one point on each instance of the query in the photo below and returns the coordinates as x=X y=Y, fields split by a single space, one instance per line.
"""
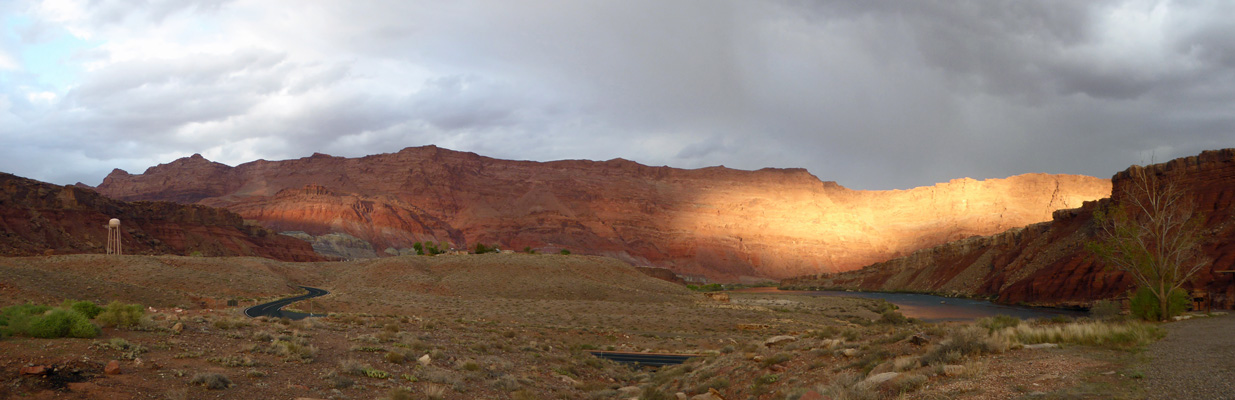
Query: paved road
x=275 y=308
x=644 y=358
x=1196 y=360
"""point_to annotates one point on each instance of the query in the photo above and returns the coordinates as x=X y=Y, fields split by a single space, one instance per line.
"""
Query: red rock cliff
x=36 y=217
x=719 y=222
x=1047 y=263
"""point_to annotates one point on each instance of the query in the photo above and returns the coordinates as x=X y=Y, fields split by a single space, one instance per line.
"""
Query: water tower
x=113 y=236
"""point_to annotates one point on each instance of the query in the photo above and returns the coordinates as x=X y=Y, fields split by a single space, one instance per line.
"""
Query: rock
x=953 y=370
x=875 y=380
x=712 y=394
x=850 y=352
x=424 y=360
x=919 y=339
x=64 y=212
x=34 y=370
x=1045 y=263
x=138 y=362
x=178 y=328
x=681 y=396
x=391 y=200
x=629 y=391
x=1042 y=346
x=831 y=343
x=112 y=368
x=775 y=340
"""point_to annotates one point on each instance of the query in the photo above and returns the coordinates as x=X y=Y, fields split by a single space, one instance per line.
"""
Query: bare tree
x=1153 y=233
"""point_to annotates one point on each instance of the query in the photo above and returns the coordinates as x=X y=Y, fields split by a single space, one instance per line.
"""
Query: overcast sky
x=872 y=94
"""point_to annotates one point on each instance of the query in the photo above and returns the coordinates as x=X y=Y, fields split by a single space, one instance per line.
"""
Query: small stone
x=178 y=328
x=1109 y=373
x=712 y=394
x=1042 y=346
x=681 y=396
x=137 y=362
x=628 y=391
x=831 y=343
x=424 y=360
x=953 y=370
x=919 y=339
x=850 y=352
x=875 y=380
x=112 y=368
x=34 y=370
x=775 y=340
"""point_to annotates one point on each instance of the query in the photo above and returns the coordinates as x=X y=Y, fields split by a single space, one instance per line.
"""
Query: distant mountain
x=721 y=223
x=39 y=218
x=1047 y=264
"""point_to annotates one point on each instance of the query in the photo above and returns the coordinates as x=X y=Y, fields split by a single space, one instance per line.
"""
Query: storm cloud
x=872 y=94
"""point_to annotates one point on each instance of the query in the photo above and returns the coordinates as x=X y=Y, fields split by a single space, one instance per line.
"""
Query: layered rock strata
x=718 y=222
x=39 y=218
x=1047 y=263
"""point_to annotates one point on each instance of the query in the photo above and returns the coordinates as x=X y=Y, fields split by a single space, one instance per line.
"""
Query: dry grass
x=1095 y=333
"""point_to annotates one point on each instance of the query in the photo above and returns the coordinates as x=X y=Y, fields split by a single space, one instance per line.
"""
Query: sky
x=873 y=94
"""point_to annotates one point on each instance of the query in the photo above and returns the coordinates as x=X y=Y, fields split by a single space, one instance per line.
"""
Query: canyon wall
x=721 y=223
x=1047 y=263
x=38 y=217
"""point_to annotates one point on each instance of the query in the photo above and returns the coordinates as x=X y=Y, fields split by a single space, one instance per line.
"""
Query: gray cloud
x=873 y=94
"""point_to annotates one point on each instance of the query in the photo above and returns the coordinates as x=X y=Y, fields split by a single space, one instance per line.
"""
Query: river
x=930 y=308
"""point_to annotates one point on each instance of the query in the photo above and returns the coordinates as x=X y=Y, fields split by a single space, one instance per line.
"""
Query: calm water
x=938 y=309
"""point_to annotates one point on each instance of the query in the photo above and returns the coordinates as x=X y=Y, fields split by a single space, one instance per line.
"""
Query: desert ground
x=521 y=326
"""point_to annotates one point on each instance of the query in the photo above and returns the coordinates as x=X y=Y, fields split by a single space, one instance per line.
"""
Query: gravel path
x=1196 y=360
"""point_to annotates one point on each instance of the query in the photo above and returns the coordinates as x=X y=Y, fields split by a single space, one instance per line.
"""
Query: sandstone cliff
x=1046 y=263
x=36 y=217
x=723 y=223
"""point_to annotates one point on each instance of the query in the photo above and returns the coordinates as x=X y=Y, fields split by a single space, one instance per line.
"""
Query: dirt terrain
x=495 y=326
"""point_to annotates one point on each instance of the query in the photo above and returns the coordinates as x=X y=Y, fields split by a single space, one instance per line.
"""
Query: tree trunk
x=1164 y=303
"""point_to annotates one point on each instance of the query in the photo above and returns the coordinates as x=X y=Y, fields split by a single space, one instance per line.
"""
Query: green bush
x=565 y=252
x=893 y=317
x=45 y=322
x=120 y=314
x=59 y=323
x=1145 y=305
x=86 y=308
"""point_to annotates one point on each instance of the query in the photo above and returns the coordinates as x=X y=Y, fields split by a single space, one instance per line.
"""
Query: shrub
x=395 y=357
x=211 y=381
x=400 y=394
x=893 y=317
x=565 y=252
x=1103 y=334
x=86 y=308
x=777 y=358
x=120 y=314
x=1105 y=309
x=1145 y=305
x=375 y=373
x=61 y=323
x=969 y=340
x=998 y=323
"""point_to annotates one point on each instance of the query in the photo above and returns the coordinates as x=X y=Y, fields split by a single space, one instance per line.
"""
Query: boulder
x=178 y=328
x=424 y=360
x=112 y=368
x=775 y=340
x=875 y=380
x=34 y=370
x=850 y=352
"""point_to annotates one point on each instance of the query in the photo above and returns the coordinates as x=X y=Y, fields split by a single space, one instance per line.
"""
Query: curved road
x=275 y=308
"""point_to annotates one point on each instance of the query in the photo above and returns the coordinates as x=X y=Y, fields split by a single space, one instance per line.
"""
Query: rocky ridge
x=718 y=222
x=37 y=218
x=1047 y=263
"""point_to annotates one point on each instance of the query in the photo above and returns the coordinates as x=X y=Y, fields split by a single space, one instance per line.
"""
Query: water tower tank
x=113 y=223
